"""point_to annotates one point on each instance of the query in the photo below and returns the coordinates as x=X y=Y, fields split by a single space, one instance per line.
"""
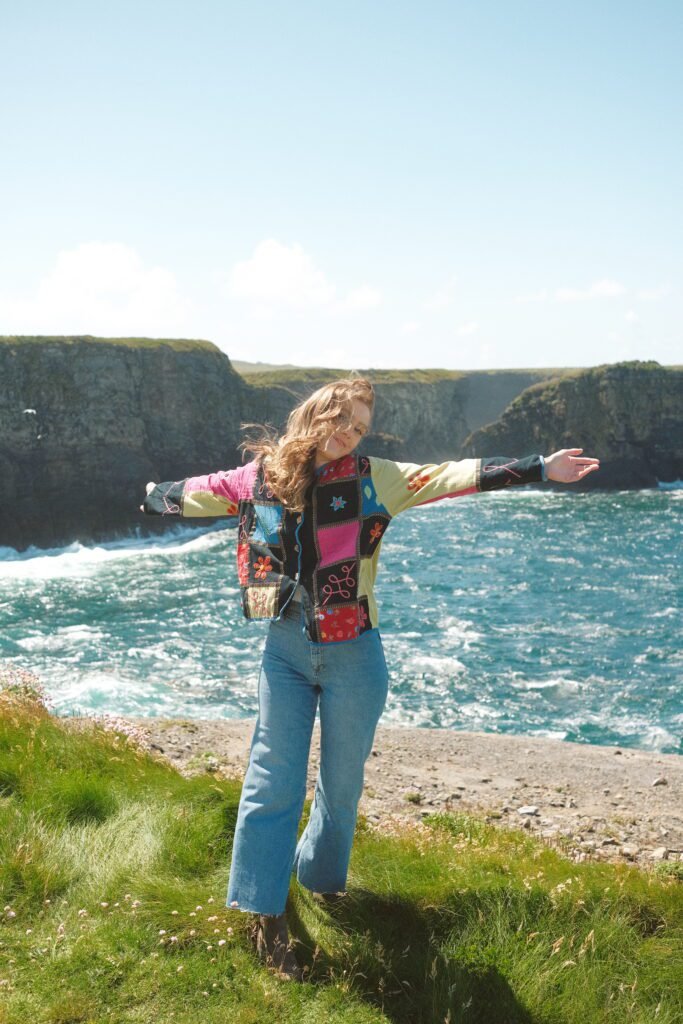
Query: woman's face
x=344 y=440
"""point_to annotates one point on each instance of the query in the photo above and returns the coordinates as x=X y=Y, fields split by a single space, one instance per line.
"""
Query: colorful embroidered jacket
x=332 y=547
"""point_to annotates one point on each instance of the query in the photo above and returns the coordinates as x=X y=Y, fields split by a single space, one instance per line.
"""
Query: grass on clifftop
x=113 y=870
x=177 y=344
x=321 y=375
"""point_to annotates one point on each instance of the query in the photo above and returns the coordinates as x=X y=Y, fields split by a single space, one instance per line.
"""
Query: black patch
x=372 y=532
x=290 y=542
x=338 y=583
x=336 y=502
x=364 y=614
x=165 y=499
x=499 y=471
x=261 y=492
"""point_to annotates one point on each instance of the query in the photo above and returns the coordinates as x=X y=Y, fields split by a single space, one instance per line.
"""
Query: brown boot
x=330 y=899
x=271 y=938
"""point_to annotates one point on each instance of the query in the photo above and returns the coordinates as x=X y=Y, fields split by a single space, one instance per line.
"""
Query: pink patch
x=245 y=480
x=234 y=485
x=338 y=542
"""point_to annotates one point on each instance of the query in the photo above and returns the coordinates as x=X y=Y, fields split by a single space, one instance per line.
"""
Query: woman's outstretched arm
x=215 y=494
x=404 y=485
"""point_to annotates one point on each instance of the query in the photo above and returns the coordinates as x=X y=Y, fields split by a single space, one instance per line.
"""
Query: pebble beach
x=591 y=802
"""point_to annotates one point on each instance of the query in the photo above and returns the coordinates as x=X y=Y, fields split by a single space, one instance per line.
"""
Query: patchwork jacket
x=332 y=547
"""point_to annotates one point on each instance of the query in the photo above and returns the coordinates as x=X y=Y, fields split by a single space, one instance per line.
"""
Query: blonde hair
x=289 y=462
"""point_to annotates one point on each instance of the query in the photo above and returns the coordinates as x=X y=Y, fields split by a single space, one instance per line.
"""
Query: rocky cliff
x=630 y=415
x=86 y=422
x=420 y=415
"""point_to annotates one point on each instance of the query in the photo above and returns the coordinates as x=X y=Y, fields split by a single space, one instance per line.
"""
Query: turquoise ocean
x=523 y=611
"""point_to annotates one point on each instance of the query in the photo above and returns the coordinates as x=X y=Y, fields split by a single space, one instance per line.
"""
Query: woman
x=311 y=519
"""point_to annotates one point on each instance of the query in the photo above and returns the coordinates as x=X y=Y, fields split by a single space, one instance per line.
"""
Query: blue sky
x=476 y=185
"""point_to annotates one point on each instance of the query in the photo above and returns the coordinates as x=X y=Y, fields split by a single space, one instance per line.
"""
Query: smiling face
x=343 y=440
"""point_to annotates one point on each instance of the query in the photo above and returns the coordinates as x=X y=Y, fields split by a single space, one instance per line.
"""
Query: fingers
x=581 y=473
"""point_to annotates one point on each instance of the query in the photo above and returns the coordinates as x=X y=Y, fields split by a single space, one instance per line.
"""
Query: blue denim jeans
x=350 y=680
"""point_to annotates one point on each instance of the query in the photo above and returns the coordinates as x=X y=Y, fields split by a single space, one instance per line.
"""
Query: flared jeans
x=349 y=682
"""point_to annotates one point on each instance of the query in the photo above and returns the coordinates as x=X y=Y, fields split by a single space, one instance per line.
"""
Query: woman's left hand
x=567 y=466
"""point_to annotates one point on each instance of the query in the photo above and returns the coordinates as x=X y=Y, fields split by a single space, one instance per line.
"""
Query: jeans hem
x=251 y=910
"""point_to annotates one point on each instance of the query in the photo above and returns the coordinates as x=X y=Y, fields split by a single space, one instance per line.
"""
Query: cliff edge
x=86 y=422
x=629 y=415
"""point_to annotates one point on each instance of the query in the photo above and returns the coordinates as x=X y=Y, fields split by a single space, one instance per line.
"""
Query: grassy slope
x=115 y=869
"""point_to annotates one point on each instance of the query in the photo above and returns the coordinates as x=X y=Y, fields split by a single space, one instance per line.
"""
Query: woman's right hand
x=148 y=489
x=567 y=467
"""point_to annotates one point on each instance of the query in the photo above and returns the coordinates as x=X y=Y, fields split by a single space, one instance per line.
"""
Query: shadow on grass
x=407 y=961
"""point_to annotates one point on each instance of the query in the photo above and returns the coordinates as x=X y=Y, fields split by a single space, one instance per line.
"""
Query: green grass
x=321 y=375
x=178 y=344
x=113 y=870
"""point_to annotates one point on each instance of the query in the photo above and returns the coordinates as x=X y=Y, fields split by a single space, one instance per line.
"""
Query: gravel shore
x=595 y=803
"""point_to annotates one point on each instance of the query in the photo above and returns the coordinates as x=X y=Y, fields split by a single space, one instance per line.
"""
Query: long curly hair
x=289 y=462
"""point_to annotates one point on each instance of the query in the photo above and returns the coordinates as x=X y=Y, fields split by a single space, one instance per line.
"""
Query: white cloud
x=631 y=316
x=653 y=294
x=98 y=288
x=469 y=328
x=604 y=289
x=280 y=273
x=285 y=275
x=442 y=298
x=362 y=298
x=410 y=327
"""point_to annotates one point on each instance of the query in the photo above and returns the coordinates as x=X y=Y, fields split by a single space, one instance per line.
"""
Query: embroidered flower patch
x=376 y=531
x=418 y=482
x=262 y=566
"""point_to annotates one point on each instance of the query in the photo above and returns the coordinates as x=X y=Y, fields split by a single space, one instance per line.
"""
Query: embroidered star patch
x=337 y=503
